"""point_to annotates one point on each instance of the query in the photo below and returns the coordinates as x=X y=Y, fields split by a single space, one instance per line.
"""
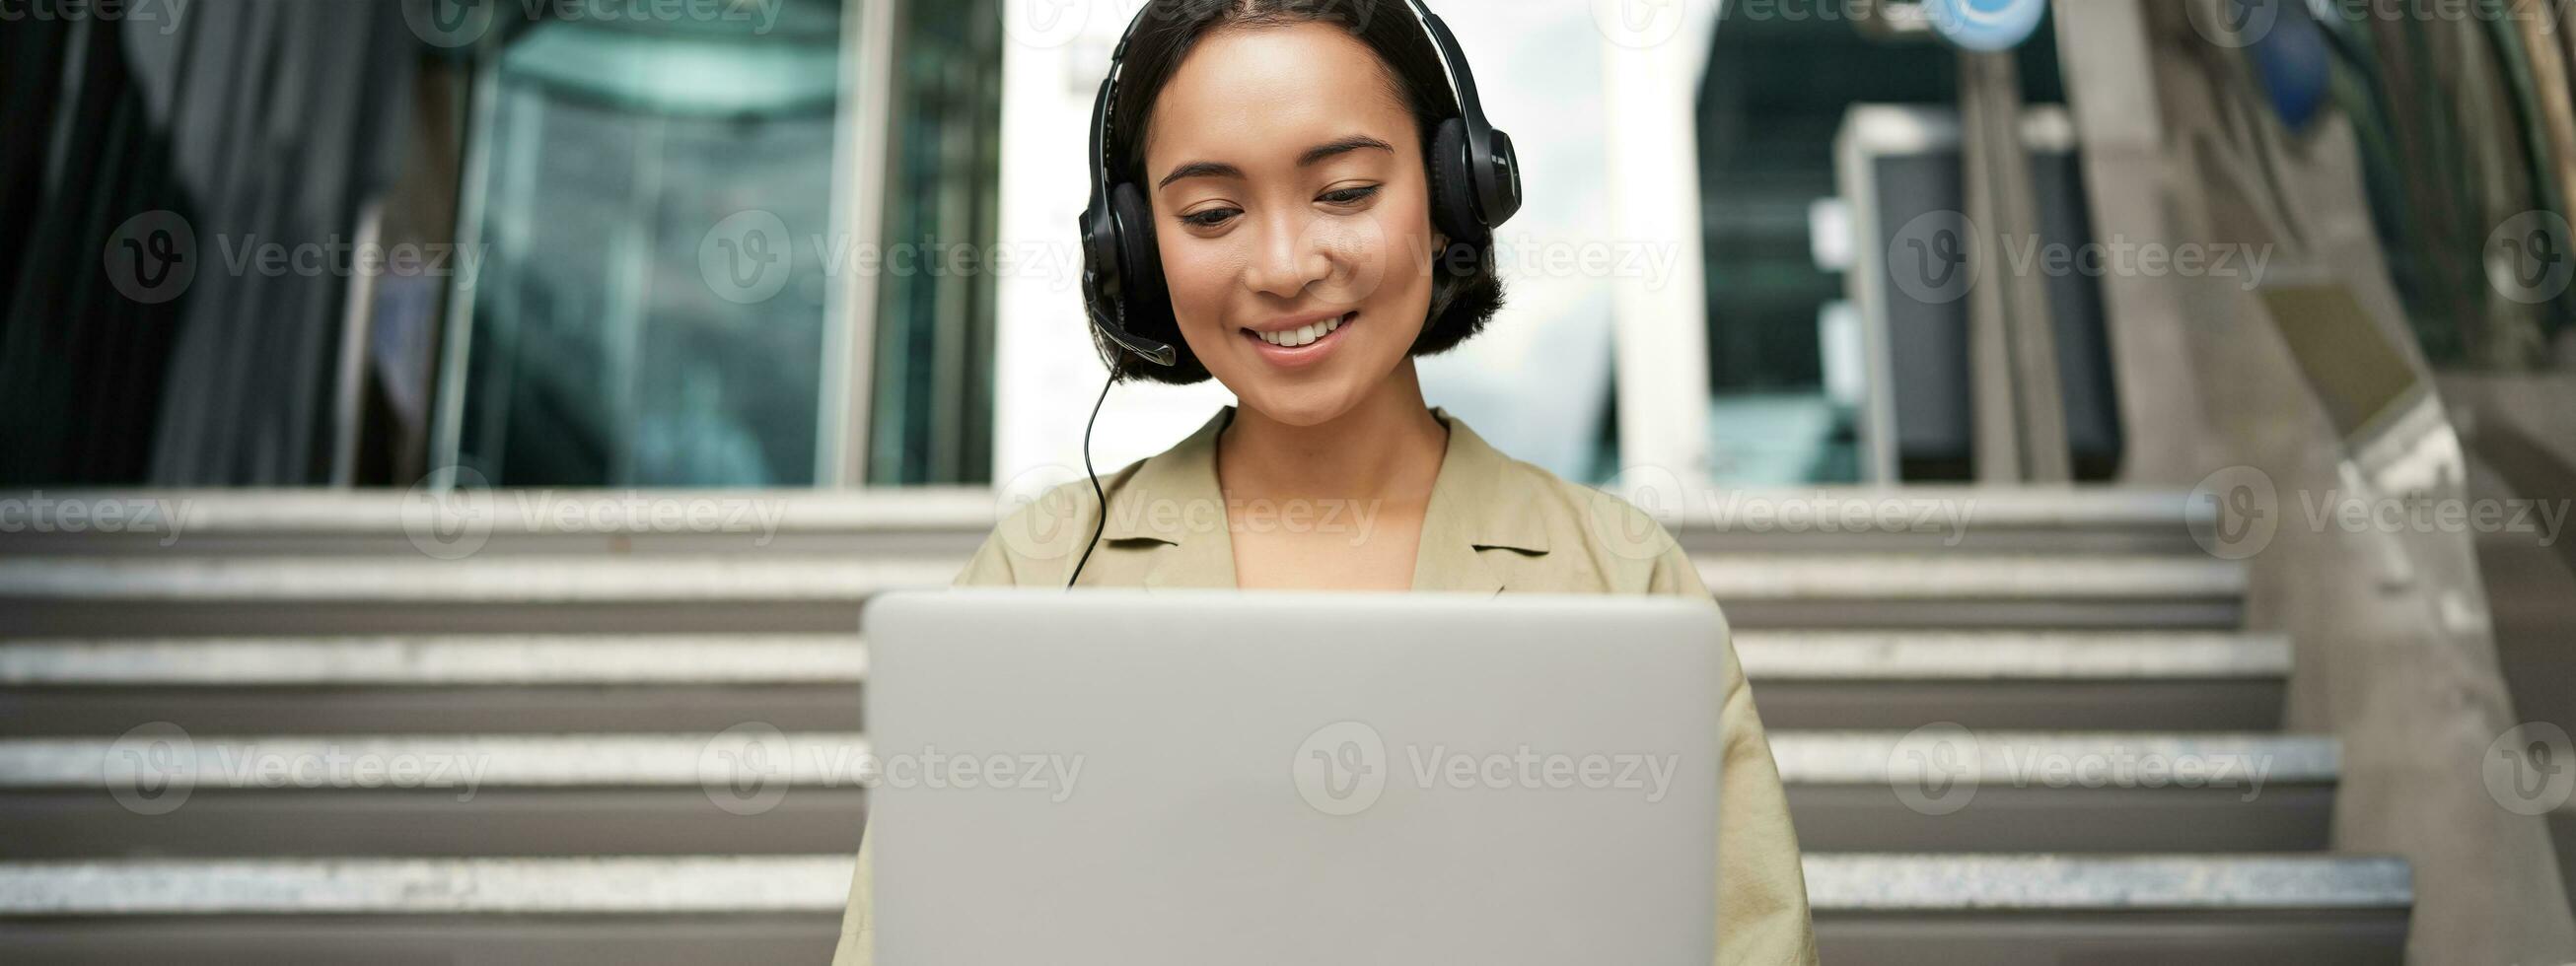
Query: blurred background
x=542 y=385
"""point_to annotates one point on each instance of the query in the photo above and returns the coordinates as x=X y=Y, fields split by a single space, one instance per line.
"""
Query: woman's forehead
x=1250 y=92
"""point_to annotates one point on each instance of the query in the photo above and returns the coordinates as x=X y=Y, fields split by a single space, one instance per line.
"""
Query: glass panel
x=933 y=386
x=602 y=353
x=1782 y=344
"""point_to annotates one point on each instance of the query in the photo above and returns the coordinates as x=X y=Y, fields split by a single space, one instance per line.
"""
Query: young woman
x=1279 y=152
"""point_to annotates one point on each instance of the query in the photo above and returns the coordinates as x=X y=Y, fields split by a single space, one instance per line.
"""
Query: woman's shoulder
x=1040 y=526
x=1599 y=534
x=1045 y=518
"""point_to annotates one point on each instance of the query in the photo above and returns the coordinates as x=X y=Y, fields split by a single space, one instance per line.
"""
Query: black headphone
x=1475 y=182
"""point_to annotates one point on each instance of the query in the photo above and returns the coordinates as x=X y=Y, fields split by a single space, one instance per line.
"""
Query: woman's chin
x=1299 y=405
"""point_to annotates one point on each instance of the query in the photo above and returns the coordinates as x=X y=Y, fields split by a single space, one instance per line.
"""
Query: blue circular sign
x=1986 y=25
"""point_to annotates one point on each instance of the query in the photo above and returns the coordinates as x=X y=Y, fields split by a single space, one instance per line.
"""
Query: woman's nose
x=1291 y=257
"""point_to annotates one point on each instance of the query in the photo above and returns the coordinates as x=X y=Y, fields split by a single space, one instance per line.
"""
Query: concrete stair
x=2042 y=738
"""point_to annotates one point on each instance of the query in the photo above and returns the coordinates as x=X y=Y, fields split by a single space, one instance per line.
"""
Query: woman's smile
x=1298 y=341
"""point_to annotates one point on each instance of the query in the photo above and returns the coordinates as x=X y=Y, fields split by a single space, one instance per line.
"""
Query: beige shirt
x=1494 y=524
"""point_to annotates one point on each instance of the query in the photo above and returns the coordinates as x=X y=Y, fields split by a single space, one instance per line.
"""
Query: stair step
x=951 y=521
x=648 y=885
x=1901 y=882
x=630 y=579
x=1870 y=909
x=1958 y=790
x=596 y=885
x=2046 y=910
x=2031 y=681
x=2010 y=656
x=1988 y=759
x=107 y=595
x=417 y=660
x=648 y=793
x=2214 y=910
x=806 y=682
x=435 y=660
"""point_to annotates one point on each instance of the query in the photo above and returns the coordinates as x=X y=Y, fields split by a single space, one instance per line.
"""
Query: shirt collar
x=1481 y=500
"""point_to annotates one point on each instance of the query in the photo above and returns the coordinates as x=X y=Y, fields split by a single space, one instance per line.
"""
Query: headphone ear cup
x=1453 y=187
x=1140 y=261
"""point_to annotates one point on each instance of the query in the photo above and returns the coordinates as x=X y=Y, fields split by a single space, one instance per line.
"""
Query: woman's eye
x=1209 y=218
x=1350 y=196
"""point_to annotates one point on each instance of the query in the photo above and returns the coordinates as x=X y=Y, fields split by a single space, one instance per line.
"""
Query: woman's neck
x=1388 y=447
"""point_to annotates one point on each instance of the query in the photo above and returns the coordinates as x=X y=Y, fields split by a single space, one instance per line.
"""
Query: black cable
x=1101 y=499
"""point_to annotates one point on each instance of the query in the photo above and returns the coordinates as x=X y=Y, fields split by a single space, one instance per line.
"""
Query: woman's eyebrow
x=1343 y=145
x=1219 y=169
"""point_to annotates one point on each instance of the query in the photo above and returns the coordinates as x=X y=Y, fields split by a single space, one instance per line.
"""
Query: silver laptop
x=1196 y=777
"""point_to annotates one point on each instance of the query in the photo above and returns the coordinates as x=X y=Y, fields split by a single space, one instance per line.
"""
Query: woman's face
x=1289 y=199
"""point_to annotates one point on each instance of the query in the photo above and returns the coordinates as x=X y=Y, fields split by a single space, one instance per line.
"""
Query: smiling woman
x=1298 y=200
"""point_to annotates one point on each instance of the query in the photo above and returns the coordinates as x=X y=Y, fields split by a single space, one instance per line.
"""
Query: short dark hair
x=1465 y=291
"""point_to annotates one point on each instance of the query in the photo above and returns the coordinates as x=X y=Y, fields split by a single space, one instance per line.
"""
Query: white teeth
x=1302 y=335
